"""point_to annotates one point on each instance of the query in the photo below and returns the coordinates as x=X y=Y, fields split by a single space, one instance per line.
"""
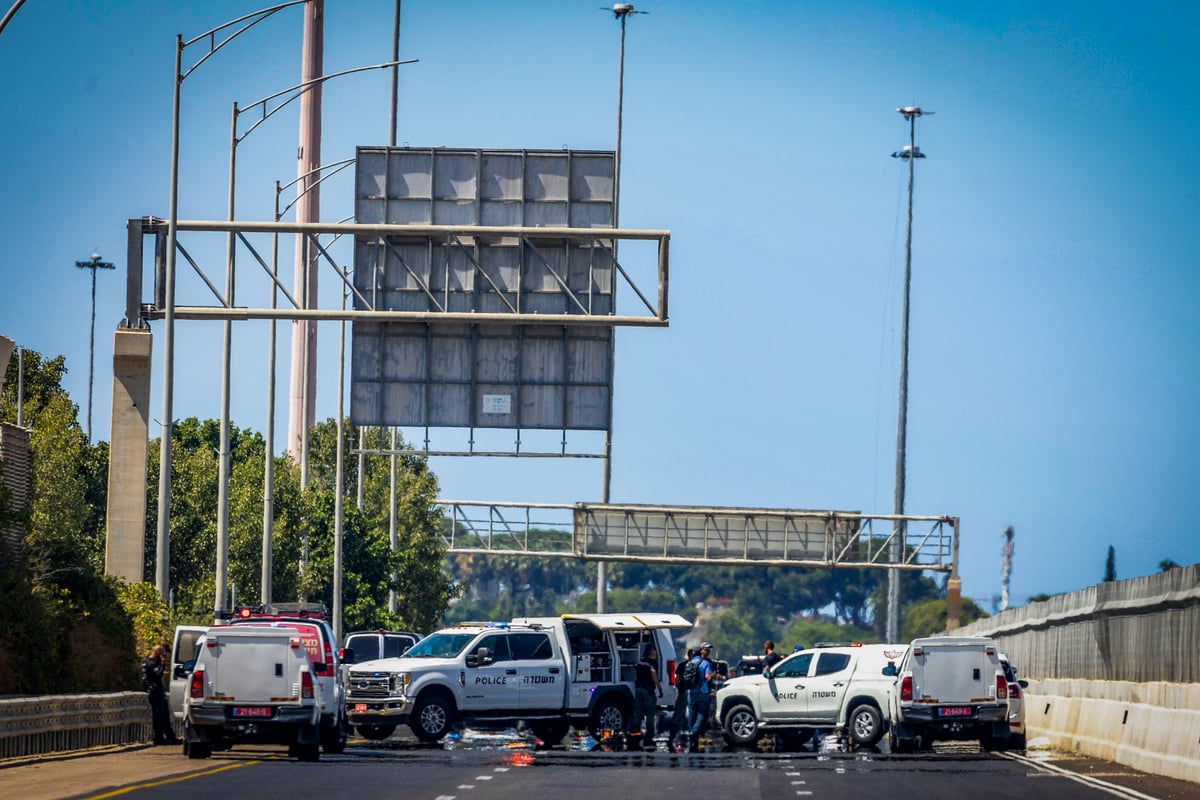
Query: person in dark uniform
x=153 y=666
x=770 y=657
x=645 y=706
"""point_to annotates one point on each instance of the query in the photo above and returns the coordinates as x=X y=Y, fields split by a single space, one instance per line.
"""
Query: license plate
x=360 y=708
x=955 y=711
x=257 y=712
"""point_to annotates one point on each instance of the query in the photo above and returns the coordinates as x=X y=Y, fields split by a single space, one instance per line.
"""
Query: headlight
x=400 y=681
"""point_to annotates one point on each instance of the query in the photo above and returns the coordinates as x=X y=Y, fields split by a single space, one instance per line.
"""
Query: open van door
x=183 y=659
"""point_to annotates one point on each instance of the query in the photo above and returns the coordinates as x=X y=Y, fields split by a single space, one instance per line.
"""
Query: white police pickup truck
x=843 y=688
x=550 y=672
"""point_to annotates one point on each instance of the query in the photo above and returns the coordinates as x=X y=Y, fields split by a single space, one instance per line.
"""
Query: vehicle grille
x=369 y=685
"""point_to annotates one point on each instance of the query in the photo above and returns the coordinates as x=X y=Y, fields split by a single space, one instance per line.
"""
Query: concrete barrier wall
x=1150 y=727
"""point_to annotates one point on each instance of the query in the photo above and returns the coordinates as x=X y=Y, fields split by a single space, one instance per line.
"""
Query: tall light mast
x=909 y=152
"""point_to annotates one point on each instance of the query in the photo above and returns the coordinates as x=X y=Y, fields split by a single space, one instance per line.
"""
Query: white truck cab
x=550 y=672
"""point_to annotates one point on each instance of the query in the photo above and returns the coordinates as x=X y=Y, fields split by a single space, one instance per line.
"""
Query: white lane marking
x=483 y=777
x=803 y=792
x=1105 y=786
x=501 y=769
x=445 y=797
x=797 y=783
x=466 y=786
x=792 y=774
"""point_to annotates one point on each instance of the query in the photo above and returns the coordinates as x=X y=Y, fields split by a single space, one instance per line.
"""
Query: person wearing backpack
x=699 y=694
x=679 y=717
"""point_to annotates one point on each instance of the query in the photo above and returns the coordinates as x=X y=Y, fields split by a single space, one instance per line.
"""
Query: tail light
x=906 y=689
x=1001 y=687
x=1014 y=691
x=328 y=658
x=671 y=670
x=196 y=687
x=306 y=685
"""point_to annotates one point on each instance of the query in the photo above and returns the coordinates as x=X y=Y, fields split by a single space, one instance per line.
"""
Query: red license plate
x=954 y=711
x=360 y=708
x=258 y=712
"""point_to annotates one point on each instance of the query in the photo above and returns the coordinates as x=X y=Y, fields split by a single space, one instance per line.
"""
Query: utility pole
x=93 y=264
x=911 y=153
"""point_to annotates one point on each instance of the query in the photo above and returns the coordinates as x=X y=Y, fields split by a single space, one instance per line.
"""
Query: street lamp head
x=908 y=112
x=622 y=10
x=908 y=151
x=96 y=257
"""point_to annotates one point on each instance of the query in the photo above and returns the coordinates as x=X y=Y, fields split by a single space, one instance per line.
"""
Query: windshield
x=440 y=645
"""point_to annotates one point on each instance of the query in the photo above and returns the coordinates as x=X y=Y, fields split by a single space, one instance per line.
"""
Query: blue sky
x=1056 y=255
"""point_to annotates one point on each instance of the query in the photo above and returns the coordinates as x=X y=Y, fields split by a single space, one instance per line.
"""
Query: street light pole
x=93 y=264
x=910 y=152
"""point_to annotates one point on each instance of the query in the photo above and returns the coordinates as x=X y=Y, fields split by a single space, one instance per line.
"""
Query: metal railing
x=31 y=726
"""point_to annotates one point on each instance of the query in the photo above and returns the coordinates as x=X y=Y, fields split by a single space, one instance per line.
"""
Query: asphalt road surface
x=505 y=767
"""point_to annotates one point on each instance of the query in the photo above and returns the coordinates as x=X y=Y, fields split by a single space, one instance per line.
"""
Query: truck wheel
x=608 y=717
x=900 y=744
x=551 y=733
x=431 y=719
x=741 y=726
x=333 y=740
x=376 y=733
x=1016 y=741
x=866 y=725
x=305 y=752
x=197 y=749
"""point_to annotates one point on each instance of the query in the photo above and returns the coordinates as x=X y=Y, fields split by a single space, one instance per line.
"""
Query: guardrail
x=31 y=726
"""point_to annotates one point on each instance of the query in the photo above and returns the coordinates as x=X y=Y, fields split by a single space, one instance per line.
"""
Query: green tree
x=929 y=618
x=1110 y=565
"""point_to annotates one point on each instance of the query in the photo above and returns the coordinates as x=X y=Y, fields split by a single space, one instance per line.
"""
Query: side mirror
x=1024 y=684
x=348 y=655
x=319 y=666
x=890 y=670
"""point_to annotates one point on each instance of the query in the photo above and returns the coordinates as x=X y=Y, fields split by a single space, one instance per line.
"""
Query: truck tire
x=865 y=724
x=551 y=733
x=901 y=744
x=609 y=716
x=1016 y=741
x=305 y=752
x=741 y=726
x=431 y=719
x=197 y=749
x=376 y=733
x=333 y=739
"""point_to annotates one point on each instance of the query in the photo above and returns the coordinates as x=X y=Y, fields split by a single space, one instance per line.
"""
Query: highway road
x=501 y=768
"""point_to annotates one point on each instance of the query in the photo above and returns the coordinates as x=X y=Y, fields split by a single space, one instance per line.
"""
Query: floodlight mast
x=620 y=11
x=910 y=152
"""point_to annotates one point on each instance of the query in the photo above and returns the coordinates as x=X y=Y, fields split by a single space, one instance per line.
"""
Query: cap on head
x=707 y=646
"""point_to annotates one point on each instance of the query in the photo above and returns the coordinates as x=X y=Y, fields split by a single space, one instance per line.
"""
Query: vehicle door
x=490 y=680
x=539 y=673
x=828 y=684
x=183 y=660
x=784 y=695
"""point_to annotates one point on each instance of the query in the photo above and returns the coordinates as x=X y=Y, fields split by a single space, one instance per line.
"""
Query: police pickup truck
x=550 y=672
x=844 y=688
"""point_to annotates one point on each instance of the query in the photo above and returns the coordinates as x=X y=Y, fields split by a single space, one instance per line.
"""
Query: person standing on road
x=153 y=666
x=699 y=696
x=648 y=689
x=679 y=718
x=770 y=657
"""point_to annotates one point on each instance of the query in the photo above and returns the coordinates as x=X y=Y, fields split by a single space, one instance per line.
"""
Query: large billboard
x=495 y=374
